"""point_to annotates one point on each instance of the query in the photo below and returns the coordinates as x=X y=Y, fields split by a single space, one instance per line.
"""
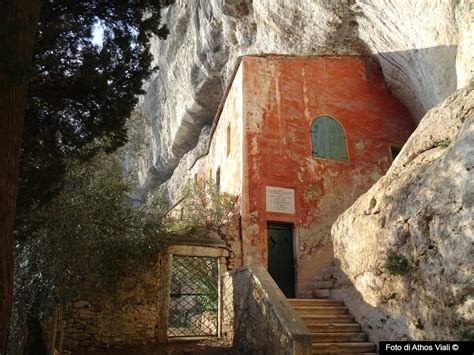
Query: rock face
x=422 y=47
x=422 y=209
x=174 y=187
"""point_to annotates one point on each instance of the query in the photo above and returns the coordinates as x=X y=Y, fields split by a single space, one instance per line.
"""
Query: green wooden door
x=281 y=263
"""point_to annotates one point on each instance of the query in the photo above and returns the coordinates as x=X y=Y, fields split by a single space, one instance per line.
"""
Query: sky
x=98 y=34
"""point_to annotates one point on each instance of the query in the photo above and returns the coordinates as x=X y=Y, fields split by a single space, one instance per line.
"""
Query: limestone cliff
x=422 y=209
x=422 y=47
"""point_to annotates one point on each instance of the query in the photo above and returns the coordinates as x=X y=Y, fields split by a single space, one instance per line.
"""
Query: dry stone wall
x=128 y=317
x=136 y=312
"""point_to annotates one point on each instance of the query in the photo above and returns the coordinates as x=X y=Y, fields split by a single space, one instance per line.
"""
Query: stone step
x=319 y=284
x=333 y=327
x=306 y=295
x=315 y=302
x=339 y=337
x=321 y=293
x=310 y=310
x=338 y=348
x=328 y=274
x=333 y=330
x=324 y=284
x=340 y=318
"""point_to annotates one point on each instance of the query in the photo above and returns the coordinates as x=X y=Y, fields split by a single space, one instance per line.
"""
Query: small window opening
x=218 y=179
x=228 y=140
x=394 y=151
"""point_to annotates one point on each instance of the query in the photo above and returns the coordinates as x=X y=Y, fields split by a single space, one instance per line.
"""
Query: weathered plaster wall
x=225 y=146
x=220 y=152
x=232 y=236
x=282 y=96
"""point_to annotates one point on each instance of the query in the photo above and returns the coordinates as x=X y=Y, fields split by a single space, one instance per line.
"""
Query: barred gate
x=193 y=309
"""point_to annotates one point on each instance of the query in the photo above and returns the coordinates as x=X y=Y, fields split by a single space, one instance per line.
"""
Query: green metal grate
x=193 y=297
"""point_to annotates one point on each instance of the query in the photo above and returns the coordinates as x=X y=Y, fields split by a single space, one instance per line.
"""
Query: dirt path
x=210 y=346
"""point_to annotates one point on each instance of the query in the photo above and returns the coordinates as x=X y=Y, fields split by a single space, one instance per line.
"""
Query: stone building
x=299 y=139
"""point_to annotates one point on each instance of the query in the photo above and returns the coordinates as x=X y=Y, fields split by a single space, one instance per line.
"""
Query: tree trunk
x=54 y=332
x=61 y=330
x=18 y=22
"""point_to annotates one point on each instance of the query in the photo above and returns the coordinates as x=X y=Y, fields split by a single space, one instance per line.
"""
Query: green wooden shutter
x=320 y=137
x=337 y=141
x=328 y=139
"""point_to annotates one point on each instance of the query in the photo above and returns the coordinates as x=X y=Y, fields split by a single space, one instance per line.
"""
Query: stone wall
x=136 y=313
x=257 y=316
x=232 y=236
x=127 y=317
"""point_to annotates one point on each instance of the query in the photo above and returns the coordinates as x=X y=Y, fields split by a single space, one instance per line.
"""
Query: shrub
x=88 y=238
x=203 y=205
x=467 y=336
x=444 y=143
x=396 y=264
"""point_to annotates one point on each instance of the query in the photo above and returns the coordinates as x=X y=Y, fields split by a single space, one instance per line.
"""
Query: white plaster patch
x=255 y=108
x=360 y=144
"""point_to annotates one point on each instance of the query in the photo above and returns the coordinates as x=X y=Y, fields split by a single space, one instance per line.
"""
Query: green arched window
x=328 y=140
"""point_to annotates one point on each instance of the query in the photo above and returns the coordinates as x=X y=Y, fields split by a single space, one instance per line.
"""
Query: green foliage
x=81 y=91
x=396 y=264
x=87 y=238
x=444 y=143
x=203 y=205
x=467 y=336
x=138 y=144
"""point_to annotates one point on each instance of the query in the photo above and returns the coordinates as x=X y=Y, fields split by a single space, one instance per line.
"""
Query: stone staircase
x=333 y=329
x=320 y=286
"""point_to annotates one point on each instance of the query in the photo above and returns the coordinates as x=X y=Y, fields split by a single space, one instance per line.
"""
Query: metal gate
x=193 y=297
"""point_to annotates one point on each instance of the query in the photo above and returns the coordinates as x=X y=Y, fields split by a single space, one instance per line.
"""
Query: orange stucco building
x=299 y=139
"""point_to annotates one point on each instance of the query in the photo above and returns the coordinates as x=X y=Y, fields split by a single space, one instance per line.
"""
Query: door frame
x=165 y=281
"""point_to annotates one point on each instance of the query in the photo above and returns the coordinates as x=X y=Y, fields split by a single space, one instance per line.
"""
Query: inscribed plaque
x=279 y=199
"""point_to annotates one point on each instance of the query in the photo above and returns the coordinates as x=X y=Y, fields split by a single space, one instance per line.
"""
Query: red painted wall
x=281 y=98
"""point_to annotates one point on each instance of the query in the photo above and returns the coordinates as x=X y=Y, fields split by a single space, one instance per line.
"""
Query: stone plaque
x=281 y=200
